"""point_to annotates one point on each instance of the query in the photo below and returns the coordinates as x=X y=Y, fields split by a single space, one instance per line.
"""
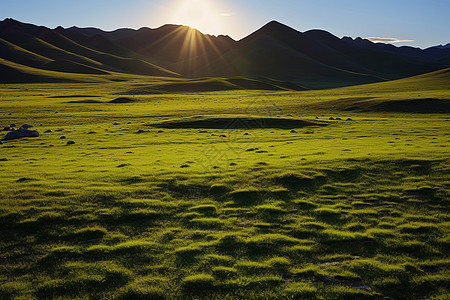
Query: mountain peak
x=275 y=26
x=274 y=29
x=322 y=35
x=6 y=20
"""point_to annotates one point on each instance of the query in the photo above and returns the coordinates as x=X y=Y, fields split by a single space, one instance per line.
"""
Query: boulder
x=70 y=143
x=48 y=131
x=12 y=125
x=21 y=133
x=349 y=119
x=293 y=131
x=116 y=123
x=7 y=128
x=25 y=126
x=62 y=137
x=339 y=119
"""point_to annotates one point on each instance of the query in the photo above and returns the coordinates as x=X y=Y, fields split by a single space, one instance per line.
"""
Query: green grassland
x=212 y=195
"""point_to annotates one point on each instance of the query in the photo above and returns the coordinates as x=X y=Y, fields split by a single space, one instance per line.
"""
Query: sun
x=204 y=15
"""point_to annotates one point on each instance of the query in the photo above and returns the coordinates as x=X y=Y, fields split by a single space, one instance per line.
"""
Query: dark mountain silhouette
x=314 y=59
x=447 y=46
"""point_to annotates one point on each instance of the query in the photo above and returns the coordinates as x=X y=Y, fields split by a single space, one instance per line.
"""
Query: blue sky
x=419 y=23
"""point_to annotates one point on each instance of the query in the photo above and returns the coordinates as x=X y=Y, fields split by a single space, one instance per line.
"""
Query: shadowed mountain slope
x=55 y=46
x=280 y=51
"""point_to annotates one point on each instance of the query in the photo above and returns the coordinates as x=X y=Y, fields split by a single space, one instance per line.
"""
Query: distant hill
x=374 y=97
x=312 y=59
x=214 y=84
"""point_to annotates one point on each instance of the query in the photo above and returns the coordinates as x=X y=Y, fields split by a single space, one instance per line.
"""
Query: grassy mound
x=428 y=105
x=236 y=123
x=85 y=101
x=72 y=96
x=122 y=100
x=423 y=105
x=216 y=84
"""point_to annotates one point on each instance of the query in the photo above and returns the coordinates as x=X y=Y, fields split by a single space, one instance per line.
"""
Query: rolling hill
x=426 y=93
x=211 y=84
x=312 y=59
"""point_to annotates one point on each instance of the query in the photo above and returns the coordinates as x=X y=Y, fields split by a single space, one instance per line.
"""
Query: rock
x=70 y=143
x=7 y=128
x=317 y=118
x=129 y=123
x=24 y=179
x=25 y=126
x=339 y=119
x=116 y=123
x=349 y=119
x=246 y=133
x=3 y=159
x=184 y=166
x=160 y=131
x=293 y=131
x=47 y=131
x=9 y=114
x=12 y=125
x=233 y=164
x=222 y=135
x=215 y=167
x=331 y=118
x=62 y=137
x=21 y=133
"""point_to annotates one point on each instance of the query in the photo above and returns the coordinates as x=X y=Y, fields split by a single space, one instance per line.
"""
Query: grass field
x=225 y=195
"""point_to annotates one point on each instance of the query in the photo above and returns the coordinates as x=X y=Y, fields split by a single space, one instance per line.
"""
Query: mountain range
x=311 y=59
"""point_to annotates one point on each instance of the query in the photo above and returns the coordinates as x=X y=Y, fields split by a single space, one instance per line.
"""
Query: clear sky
x=419 y=23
